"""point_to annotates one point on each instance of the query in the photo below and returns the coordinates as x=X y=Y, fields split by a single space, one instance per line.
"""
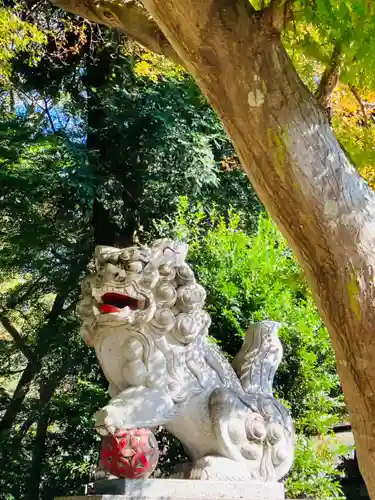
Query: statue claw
x=108 y=421
x=101 y=430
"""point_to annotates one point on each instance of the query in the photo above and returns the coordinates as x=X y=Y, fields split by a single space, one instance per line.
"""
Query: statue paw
x=109 y=420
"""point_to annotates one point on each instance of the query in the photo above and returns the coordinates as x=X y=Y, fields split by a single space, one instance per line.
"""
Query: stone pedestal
x=179 y=489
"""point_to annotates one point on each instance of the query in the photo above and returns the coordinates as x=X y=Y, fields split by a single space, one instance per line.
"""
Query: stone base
x=179 y=489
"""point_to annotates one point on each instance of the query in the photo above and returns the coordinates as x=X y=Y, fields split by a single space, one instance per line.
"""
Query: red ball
x=131 y=454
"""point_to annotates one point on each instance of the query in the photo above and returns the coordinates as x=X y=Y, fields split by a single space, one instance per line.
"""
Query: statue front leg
x=135 y=407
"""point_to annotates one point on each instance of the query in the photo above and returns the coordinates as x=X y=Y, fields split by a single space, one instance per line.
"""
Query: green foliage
x=45 y=199
x=355 y=127
x=17 y=36
x=161 y=140
x=315 y=474
x=323 y=24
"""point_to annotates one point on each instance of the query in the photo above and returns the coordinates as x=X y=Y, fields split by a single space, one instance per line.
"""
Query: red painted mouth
x=113 y=302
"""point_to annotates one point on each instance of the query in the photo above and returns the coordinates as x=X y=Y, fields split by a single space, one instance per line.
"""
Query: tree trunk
x=46 y=393
x=99 y=147
x=39 y=448
x=287 y=148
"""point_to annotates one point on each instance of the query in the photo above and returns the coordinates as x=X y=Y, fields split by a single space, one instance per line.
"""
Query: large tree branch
x=280 y=12
x=126 y=15
x=46 y=393
x=15 y=298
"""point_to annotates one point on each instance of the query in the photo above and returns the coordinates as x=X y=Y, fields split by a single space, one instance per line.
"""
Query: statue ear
x=106 y=254
x=181 y=250
x=169 y=252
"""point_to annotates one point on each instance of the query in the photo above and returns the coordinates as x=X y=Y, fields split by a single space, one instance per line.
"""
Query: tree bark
x=361 y=105
x=46 y=393
x=288 y=150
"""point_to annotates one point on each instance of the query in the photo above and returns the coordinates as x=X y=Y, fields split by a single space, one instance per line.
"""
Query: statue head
x=143 y=286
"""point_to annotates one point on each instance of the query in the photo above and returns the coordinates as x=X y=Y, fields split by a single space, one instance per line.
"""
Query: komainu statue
x=142 y=311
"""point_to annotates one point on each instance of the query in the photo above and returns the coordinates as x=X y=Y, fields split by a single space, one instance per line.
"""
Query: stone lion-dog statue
x=142 y=312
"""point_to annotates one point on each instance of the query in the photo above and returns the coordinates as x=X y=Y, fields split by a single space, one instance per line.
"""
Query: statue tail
x=259 y=357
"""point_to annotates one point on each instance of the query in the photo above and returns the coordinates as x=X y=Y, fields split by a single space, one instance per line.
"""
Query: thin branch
x=329 y=79
x=45 y=395
x=11 y=372
x=25 y=94
x=18 y=339
x=60 y=258
x=46 y=110
x=13 y=301
x=66 y=123
x=33 y=367
x=361 y=105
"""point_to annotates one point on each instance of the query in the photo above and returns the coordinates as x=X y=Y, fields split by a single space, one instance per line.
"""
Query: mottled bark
x=291 y=156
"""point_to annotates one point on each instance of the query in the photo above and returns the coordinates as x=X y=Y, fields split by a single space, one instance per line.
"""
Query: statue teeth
x=126 y=312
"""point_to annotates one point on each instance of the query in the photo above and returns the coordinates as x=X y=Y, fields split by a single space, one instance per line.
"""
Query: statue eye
x=134 y=267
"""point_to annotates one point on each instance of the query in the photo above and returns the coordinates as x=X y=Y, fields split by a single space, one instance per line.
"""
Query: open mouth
x=114 y=302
